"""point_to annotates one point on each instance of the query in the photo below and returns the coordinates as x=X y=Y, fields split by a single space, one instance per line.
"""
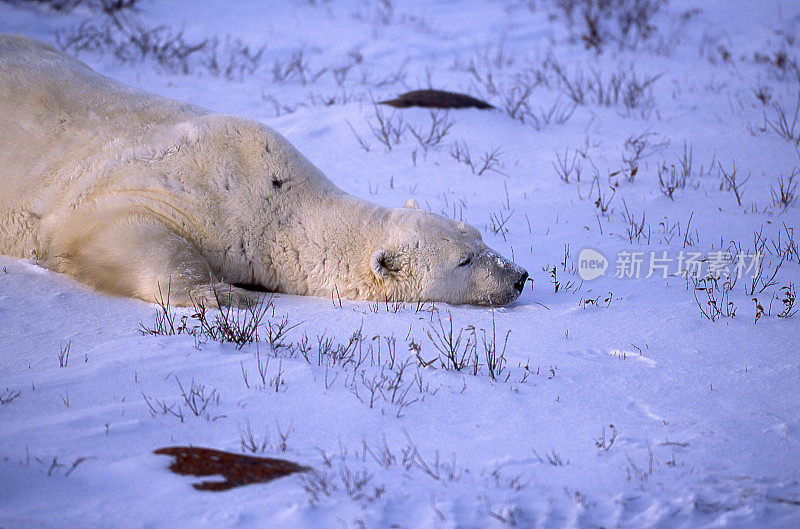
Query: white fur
x=130 y=192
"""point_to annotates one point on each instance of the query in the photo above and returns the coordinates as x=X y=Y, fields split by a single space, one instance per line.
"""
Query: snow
x=706 y=431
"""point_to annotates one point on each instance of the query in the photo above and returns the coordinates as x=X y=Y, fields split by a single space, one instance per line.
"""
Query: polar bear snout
x=520 y=284
x=512 y=286
x=500 y=282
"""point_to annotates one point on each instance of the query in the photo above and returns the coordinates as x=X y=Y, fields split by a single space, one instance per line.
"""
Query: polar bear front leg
x=141 y=257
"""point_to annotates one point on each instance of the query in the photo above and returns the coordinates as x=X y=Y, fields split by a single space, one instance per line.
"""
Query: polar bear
x=130 y=193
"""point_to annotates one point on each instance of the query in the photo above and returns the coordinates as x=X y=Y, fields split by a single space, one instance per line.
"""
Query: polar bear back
x=78 y=145
x=57 y=112
x=38 y=80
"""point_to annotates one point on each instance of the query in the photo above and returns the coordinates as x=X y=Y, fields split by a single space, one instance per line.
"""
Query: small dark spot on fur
x=277 y=183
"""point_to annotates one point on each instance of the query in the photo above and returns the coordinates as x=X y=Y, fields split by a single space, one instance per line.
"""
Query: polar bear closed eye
x=130 y=192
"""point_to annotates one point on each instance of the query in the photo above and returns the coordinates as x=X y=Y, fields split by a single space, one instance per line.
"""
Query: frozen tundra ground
x=652 y=145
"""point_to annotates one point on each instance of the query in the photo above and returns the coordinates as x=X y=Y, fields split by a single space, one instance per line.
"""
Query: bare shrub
x=439 y=126
x=131 y=42
x=457 y=350
x=605 y=442
x=784 y=121
x=460 y=153
x=785 y=195
x=732 y=182
x=636 y=149
x=604 y=199
x=782 y=64
x=317 y=483
x=197 y=399
x=575 y=89
x=788 y=297
x=764 y=272
x=633 y=470
x=237 y=326
x=250 y=443
x=557 y=114
x=637 y=93
x=622 y=87
x=114 y=31
x=364 y=145
x=489 y=161
x=763 y=93
x=293 y=69
x=494 y=355
x=685 y=162
x=231 y=60
x=498 y=221
x=161 y=407
x=785 y=245
x=635 y=228
x=670 y=179
x=105 y=6
x=387 y=129
x=515 y=98
x=625 y=23
x=558 y=286
x=63 y=355
x=715 y=301
x=566 y=168
x=484 y=79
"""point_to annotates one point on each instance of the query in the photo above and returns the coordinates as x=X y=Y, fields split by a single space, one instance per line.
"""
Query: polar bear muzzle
x=497 y=282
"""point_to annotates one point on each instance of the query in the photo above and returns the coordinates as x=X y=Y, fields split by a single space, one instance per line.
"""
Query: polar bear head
x=424 y=256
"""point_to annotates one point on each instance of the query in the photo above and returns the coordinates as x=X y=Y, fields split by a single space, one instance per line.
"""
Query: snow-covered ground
x=625 y=400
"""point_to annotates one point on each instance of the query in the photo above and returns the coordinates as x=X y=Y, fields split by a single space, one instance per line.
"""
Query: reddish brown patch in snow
x=435 y=99
x=237 y=469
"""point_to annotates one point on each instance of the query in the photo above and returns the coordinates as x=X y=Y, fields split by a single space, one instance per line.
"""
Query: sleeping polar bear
x=130 y=192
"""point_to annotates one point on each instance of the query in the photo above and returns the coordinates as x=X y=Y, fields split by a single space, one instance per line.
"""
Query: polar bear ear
x=411 y=204
x=383 y=263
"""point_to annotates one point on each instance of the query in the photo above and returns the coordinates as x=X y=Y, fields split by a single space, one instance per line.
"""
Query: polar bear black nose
x=519 y=285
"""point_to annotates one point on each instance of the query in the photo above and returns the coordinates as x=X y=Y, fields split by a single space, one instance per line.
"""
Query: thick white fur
x=130 y=192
